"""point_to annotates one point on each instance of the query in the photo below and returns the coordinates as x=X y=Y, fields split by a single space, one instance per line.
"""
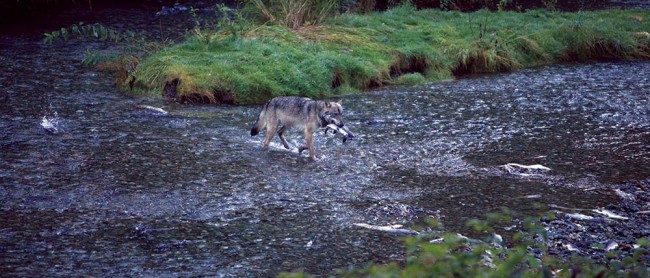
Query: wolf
x=299 y=112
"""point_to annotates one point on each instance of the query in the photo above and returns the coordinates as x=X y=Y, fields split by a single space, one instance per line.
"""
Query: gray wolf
x=299 y=112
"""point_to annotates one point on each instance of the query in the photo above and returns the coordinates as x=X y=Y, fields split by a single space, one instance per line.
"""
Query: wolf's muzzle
x=337 y=122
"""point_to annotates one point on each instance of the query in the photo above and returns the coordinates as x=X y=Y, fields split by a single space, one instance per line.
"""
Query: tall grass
x=354 y=52
x=292 y=13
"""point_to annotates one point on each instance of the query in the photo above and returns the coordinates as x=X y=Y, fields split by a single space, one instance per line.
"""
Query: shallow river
x=93 y=184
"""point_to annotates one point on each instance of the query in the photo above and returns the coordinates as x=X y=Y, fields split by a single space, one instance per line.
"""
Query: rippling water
x=108 y=187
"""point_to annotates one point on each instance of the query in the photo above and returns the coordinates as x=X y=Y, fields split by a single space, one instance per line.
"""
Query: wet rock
x=176 y=9
x=171 y=89
x=396 y=211
x=225 y=97
x=141 y=230
x=372 y=122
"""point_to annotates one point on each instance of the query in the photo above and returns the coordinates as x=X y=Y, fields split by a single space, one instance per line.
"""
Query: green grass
x=353 y=52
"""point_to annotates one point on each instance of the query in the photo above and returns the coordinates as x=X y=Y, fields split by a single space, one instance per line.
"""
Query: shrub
x=454 y=255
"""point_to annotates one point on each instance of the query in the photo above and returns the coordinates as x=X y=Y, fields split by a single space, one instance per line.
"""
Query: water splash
x=51 y=123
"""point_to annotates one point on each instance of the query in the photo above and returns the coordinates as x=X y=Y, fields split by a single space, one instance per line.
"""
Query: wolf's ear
x=340 y=102
x=328 y=104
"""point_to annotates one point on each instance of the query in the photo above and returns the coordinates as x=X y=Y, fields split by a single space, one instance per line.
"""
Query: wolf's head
x=332 y=113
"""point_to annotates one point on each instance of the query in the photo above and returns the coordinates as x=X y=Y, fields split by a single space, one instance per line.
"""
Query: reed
x=292 y=13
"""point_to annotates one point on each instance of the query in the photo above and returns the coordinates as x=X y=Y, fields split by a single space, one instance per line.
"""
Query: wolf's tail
x=261 y=121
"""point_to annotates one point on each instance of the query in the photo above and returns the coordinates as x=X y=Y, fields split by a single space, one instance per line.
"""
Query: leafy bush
x=454 y=255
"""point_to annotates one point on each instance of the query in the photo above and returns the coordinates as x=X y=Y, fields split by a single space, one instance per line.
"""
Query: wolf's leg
x=281 y=135
x=270 y=131
x=309 y=137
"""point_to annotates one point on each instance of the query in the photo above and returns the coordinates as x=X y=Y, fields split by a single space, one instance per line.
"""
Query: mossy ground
x=354 y=52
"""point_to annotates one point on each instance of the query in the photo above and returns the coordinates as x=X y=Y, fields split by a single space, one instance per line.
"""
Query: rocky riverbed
x=603 y=234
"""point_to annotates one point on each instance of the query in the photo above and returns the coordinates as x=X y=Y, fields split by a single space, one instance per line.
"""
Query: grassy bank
x=400 y=46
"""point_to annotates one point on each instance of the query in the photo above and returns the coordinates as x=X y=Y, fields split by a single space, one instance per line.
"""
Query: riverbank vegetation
x=526 y=254
x=454 y=255
x=245 y=63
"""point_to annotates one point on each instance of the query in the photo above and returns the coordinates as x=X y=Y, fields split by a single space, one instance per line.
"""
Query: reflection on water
x=121 y=189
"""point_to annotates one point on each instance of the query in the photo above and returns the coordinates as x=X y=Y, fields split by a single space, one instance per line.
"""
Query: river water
x=94 y=183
